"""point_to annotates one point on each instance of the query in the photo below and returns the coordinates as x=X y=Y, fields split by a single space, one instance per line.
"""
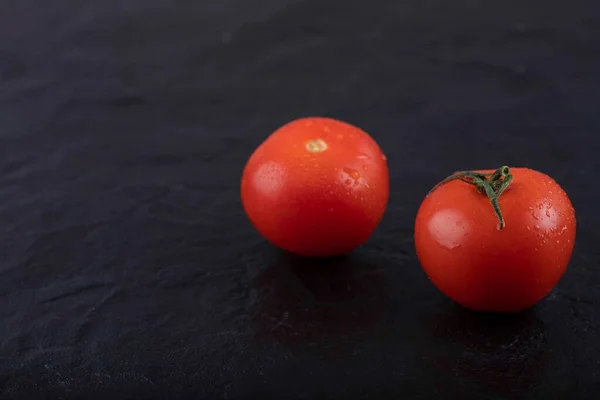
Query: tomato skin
x=316 y=187
x=482 y=268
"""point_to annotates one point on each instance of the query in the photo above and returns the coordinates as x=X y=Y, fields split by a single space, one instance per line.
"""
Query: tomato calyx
x=491 y=184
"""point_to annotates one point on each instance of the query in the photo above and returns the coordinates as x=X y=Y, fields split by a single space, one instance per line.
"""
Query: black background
x=128 y=266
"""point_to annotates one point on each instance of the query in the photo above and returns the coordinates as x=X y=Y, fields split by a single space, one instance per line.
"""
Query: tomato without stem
x=316 y=187
x=499 y=259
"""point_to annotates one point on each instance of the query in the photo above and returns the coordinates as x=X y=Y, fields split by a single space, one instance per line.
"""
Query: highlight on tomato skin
x=316 y=187
x=496 y=240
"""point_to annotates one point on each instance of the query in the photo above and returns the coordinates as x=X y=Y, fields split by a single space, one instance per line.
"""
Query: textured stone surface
x=128 y=266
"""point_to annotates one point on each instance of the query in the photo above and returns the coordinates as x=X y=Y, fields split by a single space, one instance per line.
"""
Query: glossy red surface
x=481 y=267
x=316 y=187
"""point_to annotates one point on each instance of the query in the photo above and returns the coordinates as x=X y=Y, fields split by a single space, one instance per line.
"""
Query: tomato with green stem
x=495 y=240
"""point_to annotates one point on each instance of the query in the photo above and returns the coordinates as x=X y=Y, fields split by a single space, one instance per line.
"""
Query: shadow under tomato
x=499 y=354
x=323 y=305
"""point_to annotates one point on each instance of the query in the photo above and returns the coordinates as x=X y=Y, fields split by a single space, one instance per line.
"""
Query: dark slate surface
x=128 y=266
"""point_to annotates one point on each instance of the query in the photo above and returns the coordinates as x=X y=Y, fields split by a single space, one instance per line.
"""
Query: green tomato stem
x=491 y=184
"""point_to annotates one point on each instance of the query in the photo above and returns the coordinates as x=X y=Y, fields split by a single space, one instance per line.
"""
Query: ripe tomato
x=482 y=264
x=316 y=187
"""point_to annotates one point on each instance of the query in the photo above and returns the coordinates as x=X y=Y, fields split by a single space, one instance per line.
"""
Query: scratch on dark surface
x=71 y=292
x=104 y=301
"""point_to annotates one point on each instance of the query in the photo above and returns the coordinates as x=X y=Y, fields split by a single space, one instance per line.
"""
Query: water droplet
x=326 y=129
x=537 y=227
x=348 y=182
x=541 y=206
x=531 y=208
x=363 y=156
x=383 y=157
x=548 y=213
x=528 y=227
x=308 y=123
x=364 y=168
x=535 y=216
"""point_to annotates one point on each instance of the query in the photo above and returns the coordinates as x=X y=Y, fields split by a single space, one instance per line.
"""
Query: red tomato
x=316 y=187
x=482 y=265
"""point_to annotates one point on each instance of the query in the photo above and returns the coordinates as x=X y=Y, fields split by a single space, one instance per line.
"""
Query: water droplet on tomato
x=541 y=206
x=537 y=227
x=364 y=168
x=548 y=213
x=363 y=156
x=528 y=227
x=348 y=182
x=383 y=157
